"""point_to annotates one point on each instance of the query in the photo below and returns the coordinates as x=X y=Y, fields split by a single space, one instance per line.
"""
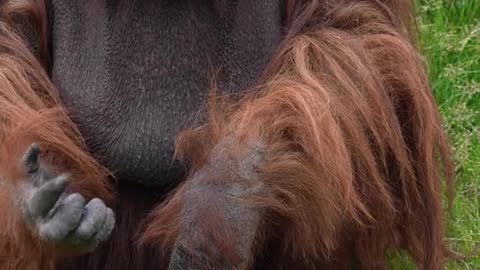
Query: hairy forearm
x=351 y=138
x=218 y=227
x=31 y=114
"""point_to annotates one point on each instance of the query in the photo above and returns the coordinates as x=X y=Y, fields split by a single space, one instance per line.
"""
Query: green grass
x=450 y=42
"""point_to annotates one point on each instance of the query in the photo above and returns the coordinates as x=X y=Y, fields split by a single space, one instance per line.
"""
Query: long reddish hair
x=356 y=147
x=356 y=150
x=31 y=112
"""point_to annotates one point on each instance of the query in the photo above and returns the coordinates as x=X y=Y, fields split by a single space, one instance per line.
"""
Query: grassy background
x=450 y=42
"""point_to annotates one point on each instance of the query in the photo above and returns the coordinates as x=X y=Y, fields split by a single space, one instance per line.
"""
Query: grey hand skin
x=63 y=219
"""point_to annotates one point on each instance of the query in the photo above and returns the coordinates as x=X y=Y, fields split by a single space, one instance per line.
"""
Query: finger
x=65 y=219
x=107 y=228
x=45 y=197
x=30 y=159
x=93 y=220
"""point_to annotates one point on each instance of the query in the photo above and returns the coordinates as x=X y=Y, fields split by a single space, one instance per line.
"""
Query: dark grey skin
x=134 y=73
x=242 y=220
x=65 y=219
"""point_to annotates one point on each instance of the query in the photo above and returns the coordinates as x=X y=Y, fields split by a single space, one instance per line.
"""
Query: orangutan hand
x=66 y=220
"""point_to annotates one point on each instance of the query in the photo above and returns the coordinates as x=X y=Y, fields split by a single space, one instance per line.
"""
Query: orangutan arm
x=219 y=185
x=43 y=217
x=352 y=148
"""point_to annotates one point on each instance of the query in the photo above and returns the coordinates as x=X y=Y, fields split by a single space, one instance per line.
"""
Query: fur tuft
x=356 y=147
x=31 y=112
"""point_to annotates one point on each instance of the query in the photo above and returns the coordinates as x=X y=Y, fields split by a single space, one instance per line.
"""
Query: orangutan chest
x=133 y=76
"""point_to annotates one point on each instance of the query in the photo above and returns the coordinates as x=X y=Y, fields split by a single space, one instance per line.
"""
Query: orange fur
x=356 y=148
x=30 y=111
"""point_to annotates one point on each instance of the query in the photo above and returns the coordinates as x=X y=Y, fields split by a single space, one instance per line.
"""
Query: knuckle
x=85 y=232
x=95 y=203
x=93 y=221
x=75 y=199
x=69 y=214
x=75 y=212
x=89 y=224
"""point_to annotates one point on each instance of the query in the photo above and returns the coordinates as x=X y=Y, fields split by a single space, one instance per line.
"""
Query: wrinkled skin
x=67 y=220
x=133 y=74
x=216 y=189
